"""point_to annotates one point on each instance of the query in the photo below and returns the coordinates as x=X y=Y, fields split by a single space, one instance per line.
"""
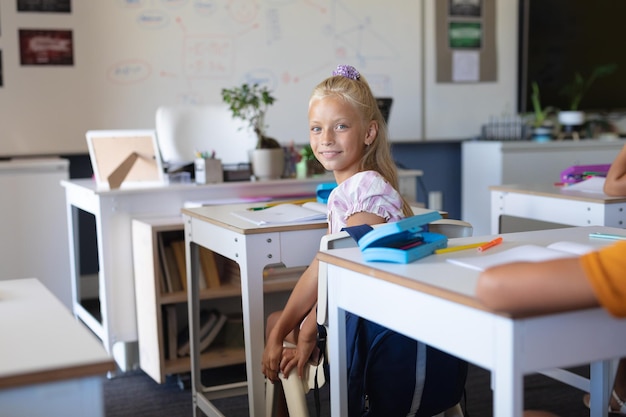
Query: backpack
x=391 y=375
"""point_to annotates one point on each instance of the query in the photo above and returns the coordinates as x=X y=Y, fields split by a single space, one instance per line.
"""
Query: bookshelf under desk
x=162 y=309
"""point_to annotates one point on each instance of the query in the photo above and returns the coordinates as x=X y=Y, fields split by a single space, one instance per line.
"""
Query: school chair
x=184 y=130
x=295 y=389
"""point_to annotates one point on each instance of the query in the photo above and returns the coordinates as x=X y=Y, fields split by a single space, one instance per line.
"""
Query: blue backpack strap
x=357 y=232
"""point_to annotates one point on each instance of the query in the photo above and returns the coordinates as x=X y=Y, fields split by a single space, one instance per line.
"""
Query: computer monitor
x=384 y=104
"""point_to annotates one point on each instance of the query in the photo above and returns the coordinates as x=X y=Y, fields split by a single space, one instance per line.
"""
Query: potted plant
x=309 y=165
x=250 y=102
x=576 y=90
x=542 y=123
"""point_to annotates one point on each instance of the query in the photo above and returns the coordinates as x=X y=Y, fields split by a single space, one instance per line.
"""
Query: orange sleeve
x=606 y=271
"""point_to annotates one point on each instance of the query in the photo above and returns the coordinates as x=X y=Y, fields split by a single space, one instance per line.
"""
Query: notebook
x=524 y=253
x=285 y=213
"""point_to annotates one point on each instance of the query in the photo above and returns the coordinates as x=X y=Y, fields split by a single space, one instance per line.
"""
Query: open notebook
x=524 y=253
x=285 y=213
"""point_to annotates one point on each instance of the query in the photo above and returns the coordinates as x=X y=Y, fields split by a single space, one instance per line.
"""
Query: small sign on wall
x=56 y=6
x=465 y=41
x=46 y=47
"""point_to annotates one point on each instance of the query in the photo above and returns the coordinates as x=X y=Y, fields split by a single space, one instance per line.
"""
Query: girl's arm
x=535 y=287
x=300 y=302
x=615 y=183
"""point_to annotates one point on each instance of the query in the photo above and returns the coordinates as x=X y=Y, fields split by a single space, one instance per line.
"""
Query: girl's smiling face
x=338 y=135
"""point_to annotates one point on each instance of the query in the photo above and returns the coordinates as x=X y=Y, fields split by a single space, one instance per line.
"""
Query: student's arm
x=307 y=342
x=305 y=292
x=535 y=287
x=300 y=302
x=615 y=183
x=364 y=218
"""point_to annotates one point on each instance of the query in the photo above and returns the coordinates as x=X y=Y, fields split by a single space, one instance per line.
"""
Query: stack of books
x=211 y=323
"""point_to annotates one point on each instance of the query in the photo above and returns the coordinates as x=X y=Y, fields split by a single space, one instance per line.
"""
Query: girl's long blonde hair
x=377 y=156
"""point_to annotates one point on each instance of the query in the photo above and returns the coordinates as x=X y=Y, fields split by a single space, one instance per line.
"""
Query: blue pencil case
x=323 y=191
x=403 y=241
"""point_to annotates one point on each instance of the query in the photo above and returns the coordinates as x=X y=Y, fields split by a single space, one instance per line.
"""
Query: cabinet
x=33 y=224
x=496 y=163
x=162 y=314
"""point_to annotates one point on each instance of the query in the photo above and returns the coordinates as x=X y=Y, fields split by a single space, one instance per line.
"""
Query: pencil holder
x=208 y=170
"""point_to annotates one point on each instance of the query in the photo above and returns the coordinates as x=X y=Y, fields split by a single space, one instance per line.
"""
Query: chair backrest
x=449 y=227
x=184 y=130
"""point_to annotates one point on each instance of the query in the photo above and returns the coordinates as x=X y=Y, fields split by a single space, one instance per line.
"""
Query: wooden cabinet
x=162 y=314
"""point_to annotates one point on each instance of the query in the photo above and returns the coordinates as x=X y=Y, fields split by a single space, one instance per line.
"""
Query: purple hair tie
x=347 y=71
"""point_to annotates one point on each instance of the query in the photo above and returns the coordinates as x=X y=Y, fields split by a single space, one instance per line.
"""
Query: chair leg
x=455 y=411
x=269 y=399
x=294 y=394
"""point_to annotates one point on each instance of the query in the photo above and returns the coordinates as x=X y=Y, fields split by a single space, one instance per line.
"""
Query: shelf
x=285 y=283
x=213 y=358
x=159 y=311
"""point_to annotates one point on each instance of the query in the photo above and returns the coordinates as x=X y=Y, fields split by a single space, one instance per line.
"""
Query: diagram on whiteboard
x=214 y=40
x=183 y=52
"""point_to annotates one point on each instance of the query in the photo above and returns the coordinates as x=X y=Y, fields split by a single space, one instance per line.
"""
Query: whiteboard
x=132 y=56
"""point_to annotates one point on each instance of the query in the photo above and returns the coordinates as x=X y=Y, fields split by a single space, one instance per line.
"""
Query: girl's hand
x=307 y=343
x=272 y=355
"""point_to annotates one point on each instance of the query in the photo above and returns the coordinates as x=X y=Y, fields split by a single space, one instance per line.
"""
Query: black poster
x=51 y=6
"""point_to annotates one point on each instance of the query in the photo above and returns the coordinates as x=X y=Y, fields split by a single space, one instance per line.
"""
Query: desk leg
x=337 y=349
x=193 y=310
x=252 y=262
x=507 y=378
x=601 y=386
x=496 y=211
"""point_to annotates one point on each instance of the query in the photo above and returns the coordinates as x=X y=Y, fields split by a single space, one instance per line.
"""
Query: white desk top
x=244 y=188
x=41 y=340
x=548 y=190
x=433 y=275
x=221 y=215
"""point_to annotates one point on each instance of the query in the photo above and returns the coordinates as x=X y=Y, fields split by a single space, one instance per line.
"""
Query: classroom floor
x=134 y=394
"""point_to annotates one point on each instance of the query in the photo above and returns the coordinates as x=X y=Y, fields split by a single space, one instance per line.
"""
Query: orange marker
x=491 y=244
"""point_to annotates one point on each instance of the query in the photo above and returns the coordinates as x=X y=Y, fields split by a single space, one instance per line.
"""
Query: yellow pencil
x=299 y=201
x=462 y=247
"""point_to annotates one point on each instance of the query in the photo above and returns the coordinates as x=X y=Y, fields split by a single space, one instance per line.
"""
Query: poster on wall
x=46 y=47
x=50 y=6
x=465 y=8
x=465 y=41
x=465 y=34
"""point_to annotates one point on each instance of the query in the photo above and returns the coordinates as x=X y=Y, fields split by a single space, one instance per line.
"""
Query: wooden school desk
x=433 y=301
x=50 y=364
x=553 y=204
x=113 y=288
x=253 y=248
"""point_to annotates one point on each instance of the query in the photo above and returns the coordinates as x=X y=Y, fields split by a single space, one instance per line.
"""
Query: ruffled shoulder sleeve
x=364 y=192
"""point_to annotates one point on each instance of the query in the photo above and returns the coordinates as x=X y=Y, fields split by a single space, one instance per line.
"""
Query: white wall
x=131 y=57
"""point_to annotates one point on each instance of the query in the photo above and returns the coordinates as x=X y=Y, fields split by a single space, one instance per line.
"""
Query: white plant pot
x=268 y=164
x=571 y=118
